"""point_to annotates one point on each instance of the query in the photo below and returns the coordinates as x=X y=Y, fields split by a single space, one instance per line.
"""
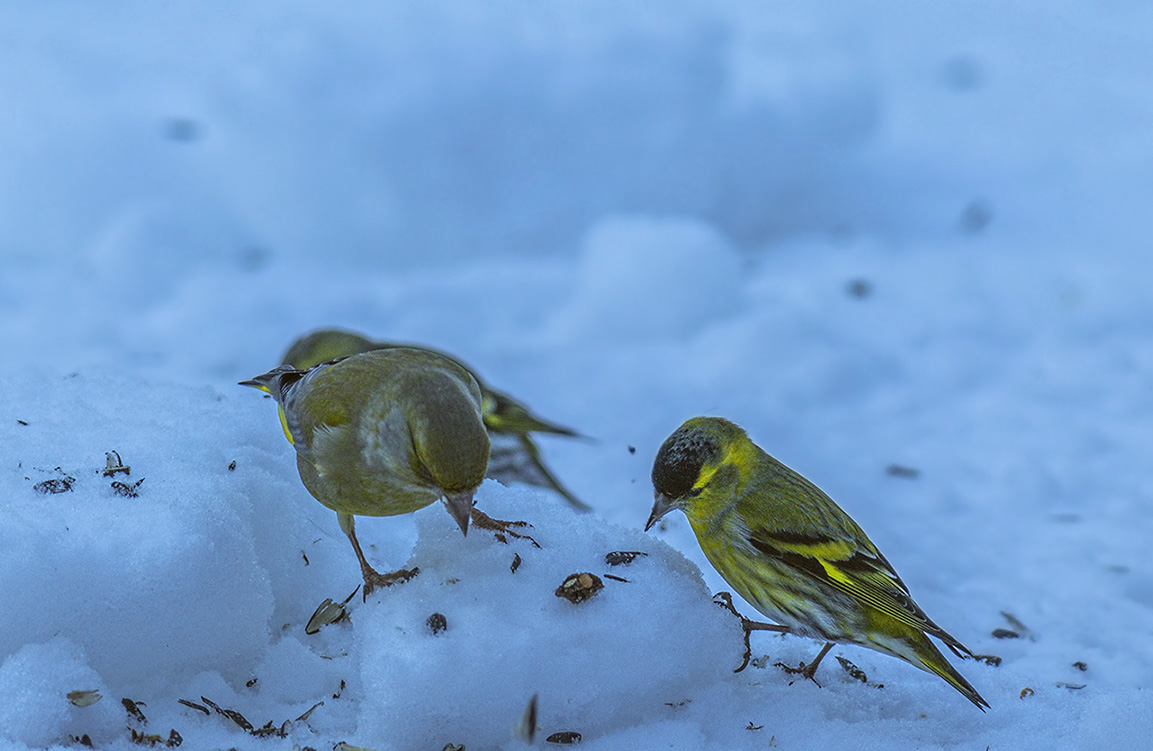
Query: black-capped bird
x=792 y=552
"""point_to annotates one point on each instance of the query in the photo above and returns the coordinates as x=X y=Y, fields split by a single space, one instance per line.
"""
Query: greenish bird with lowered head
x=384 y=433
x=792 y=552
x=515 y=456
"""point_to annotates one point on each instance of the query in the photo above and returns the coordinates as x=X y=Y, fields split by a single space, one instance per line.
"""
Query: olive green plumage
x=383 y=433
x=515 y=456
x=790 y=551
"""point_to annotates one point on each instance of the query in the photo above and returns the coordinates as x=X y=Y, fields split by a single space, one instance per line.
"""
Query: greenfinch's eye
x=680 y=460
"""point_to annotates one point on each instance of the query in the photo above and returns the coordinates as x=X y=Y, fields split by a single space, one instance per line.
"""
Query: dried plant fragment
x=566 y=737
x=580 y=587
x=113 y=464
x=525 y=729
x=194 y=705
x=134 y=711
x=854 y=672
x=436 y=623
x=84 y=698
x=126 y=490
x=623 y=557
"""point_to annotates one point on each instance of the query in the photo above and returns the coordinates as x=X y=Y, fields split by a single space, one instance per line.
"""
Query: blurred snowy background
x=905 y=246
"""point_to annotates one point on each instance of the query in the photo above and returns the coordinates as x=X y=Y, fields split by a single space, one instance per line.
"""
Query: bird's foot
x=500 y=529
x=809 y=670
x=374 y=580
x=803 y=670
x=725 y=600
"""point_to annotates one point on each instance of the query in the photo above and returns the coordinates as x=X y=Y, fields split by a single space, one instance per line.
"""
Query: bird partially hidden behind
x=792 y=552
x=385 y=433
x=515 y=456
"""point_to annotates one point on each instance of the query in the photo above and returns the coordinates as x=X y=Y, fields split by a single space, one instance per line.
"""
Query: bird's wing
x=845 y=565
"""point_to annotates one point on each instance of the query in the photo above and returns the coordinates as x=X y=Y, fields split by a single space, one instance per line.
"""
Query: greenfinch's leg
x=373 y=579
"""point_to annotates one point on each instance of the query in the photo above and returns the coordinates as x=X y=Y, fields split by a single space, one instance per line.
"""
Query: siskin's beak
x=662 y=505
x=460 y=507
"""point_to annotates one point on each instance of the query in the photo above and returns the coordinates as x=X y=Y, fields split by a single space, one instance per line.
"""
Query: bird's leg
x=808 y=671
x=725 y=600
x=500 y=528
x=373 y=579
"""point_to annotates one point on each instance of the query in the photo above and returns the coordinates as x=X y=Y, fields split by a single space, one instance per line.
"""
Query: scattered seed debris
x=1027 y=692
x=907 y=473
x=194 y=705
x=26 y=425
x=114 y=464
x=340 y=690
x=231 y=714
x=525 y=729
x=580 y=587
x=854 y=672
x=751 y=726
x=678 y=703
x=328 y=612
x=251 y=682
x=1016 y=625
x=174 y=739
x=566 y=737
x=1070 y=686
x=993 y=660
x=55 y=485
x=1004 y=633
x=436 y=623
x=632 y=449
x=134 y=711
x=305 y=557
x=84 y=698
x=1081 y=666
x=453 y=747
x=126 y=490
x=232 y=466
x=516 y=561
x=623 y=557
x=617 y=578
x=304 y=717
x=83 y=740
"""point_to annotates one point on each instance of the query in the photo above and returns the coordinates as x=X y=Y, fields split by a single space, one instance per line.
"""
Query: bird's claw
x=501 y=529
x=803 y=670
x=374 y=580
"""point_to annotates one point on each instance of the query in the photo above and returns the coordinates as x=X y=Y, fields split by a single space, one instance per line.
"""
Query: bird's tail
x=925 y=655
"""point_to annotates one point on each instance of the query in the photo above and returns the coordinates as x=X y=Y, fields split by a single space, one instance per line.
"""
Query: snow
x=904 y=247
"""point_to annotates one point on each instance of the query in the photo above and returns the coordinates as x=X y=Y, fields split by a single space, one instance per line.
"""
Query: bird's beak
x=256 y=383
x=460 y=508
x=662 y=505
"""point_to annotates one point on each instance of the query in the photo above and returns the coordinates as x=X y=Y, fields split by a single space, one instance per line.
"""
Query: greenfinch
x=383 y=433
x=515 y=456
x=792 y=552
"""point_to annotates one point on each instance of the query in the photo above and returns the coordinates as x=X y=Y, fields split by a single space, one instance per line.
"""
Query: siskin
x=515 y=455
x=385 y=433
x=792 y=552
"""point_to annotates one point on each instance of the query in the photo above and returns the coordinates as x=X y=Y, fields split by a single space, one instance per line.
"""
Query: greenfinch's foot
x=809 y=670
x=374 y=580
x=725 y=600
x=500 y=529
